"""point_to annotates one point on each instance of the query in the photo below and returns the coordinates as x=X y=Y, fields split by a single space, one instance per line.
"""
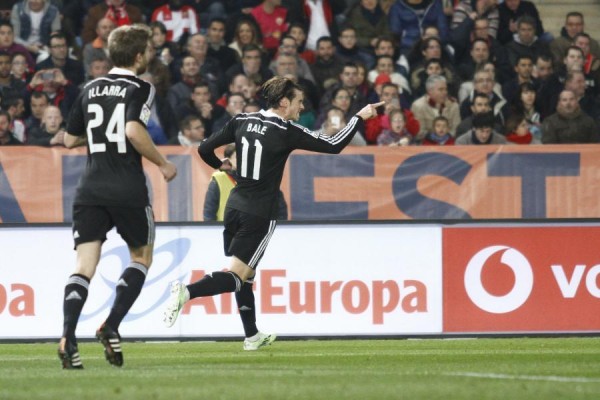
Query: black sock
x=215 y=283
x=128 y=289
x=76 y=292
x=247 y=308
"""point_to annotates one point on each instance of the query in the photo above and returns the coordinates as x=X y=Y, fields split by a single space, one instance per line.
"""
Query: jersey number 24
x=115 y=129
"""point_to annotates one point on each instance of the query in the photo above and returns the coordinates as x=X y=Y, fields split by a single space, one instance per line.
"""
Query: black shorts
x=134 y=224
x=246 y=236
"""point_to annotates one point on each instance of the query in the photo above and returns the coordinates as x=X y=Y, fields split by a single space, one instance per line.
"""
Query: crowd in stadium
x=462 y=72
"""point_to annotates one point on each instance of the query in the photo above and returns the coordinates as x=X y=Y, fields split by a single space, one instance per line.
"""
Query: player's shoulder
x=265 y=118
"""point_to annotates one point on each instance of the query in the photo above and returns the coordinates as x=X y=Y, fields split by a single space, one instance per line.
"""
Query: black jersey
x=263 y=142
x=113 y=175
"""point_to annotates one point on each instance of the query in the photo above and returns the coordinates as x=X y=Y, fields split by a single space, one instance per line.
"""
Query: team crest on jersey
x=145 y=114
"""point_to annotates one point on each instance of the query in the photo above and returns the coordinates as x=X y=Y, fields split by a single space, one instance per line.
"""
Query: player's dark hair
x=126 y=42
x=277 y=88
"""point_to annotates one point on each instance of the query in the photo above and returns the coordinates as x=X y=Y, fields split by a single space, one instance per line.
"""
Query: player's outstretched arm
x=141 y=141
x=369 y=111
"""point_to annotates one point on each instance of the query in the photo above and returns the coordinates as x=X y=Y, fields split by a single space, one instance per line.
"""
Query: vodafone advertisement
x=314 y=280
x=521 y=279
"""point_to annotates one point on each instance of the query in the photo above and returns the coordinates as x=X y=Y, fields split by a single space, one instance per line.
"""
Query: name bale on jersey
x=256 y=128
x=111 y=90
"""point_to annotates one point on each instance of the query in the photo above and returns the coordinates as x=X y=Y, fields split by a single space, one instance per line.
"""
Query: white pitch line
x=549 y=378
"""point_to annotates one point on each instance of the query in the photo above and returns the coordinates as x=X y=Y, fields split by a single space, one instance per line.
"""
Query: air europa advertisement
x=313 y=280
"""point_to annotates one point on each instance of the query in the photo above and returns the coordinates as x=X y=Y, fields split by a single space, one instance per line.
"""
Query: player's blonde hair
x=126 y=42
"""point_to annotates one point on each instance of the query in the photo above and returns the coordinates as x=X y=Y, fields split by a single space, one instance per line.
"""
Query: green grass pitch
x=524 y=368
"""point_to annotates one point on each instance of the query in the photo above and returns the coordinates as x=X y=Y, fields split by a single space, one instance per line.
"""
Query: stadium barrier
x=340 y=279
x=364 y=183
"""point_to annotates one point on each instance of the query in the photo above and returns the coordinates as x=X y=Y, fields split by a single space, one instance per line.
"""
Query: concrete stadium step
x=553 y=14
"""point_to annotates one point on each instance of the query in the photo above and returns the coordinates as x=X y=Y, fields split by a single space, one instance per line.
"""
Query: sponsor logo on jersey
x=145 y=114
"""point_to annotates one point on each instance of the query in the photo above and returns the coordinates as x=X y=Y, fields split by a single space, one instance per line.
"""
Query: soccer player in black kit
x=111 y=114
x=263 y=140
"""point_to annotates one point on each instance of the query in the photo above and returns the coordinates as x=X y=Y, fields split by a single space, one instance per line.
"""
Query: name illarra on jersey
x=111 y=90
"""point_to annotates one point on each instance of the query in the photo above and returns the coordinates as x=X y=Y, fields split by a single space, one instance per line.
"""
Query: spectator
x=59 y=59
x=384 y=46
x=575 y=82
x=466 y=88
x=19 y=67
x=484 y=83
x=51 y=131
x=236 y=85
x=555 y=83
x=525 y=42
x=435 y=102
x=340 y=100
x=210 y=69
x=431 y=48
x=482 y=132
x=348 y=79
x=16 y=108
x=385 y=65
x=235 y=105
x=180 y=20
x=201 y=106
x=289 y=47
x=518 y=131
x=166 y=51
x=99 y=66
x=591 y=64
x=335 y=120
x=479 y=105
x=328 y=66
x=286 y=65
x=318 y=15
x=543 y=68
x=99 y=47
x=525 y=105
x=251 y=65
x=220 y=186
x=298 y=32
x=479 y=54
x=569 y=124
x=37 y=103
x=116 y=10
x=245 y=33
x=396 y=135
x=209 y=10
x=368 y=18
x=440 y=136
x=524 y=70
x=271 y=19
x=474 y=9
x=574 y=24
x=348 y=50
x=6 y=136
x=33 y=21
x=217 y=48
x=510 y=12
x=406 y=19
x=9 y=85
x=464 y=37
x=7 y=42
x=191 y=132
x=180 y=92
